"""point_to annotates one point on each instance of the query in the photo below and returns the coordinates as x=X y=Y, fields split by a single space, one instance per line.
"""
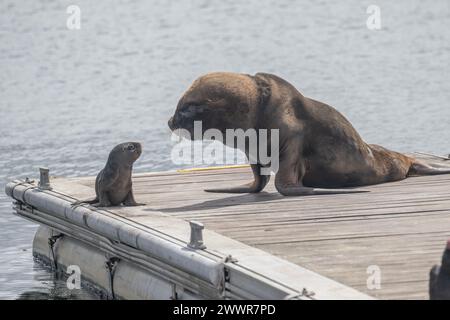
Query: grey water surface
x=68 y=96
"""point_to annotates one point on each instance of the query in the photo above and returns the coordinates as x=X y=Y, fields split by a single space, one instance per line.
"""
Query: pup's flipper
x=80 y=202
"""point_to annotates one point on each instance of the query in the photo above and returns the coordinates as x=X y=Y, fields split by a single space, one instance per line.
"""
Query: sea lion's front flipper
x=129 y=200
x=103 y=199
x=258 y=184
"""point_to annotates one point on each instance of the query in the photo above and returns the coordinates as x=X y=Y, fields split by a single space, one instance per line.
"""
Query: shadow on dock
x=224 y=202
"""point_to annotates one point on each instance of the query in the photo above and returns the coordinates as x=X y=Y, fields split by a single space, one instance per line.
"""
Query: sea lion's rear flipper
x=420 y=168
x=289 y=180
x=79 y=202
x=258 y=184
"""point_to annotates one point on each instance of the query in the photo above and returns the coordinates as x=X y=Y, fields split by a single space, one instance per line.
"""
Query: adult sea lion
x=113 y=185
x=318 y=146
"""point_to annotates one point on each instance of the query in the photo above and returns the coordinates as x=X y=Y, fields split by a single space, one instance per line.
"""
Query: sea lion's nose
x=170 y=123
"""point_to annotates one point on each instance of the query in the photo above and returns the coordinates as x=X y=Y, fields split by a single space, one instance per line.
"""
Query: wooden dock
x=311 y=247
x=400 y=227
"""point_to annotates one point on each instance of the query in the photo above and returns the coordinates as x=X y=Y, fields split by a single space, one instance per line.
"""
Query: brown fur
x=318 y=146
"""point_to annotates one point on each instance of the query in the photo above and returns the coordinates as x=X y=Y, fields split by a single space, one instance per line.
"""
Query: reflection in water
x=53 y=286
x=54 y=293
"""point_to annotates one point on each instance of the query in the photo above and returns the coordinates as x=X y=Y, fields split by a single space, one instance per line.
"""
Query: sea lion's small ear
x=218 y=101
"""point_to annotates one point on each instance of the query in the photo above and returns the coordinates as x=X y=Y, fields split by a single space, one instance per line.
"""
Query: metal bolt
x=44 y=180
x=28 y=180
x=196 y=235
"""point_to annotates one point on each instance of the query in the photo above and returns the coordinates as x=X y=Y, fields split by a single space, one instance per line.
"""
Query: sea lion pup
x=318 y=146
x=113 y=185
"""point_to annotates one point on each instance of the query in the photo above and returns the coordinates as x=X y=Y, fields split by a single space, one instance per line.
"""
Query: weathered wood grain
x=401 y=227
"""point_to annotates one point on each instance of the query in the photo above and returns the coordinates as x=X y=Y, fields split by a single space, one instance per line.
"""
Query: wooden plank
x=400 y=226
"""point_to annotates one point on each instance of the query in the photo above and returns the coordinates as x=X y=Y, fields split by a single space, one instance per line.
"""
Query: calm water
x=68 y=96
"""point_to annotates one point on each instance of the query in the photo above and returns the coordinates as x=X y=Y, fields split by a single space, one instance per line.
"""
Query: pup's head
x=127 y=152
x=220 y=101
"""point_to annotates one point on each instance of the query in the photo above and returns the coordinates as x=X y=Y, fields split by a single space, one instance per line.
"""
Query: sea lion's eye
x=188 y=108
x=193 y=108
x=131 y=147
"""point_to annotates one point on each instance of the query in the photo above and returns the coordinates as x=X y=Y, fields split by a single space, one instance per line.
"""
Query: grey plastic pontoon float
x=146 y=253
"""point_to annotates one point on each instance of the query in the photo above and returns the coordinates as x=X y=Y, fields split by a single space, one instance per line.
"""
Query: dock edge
x=151 y=266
